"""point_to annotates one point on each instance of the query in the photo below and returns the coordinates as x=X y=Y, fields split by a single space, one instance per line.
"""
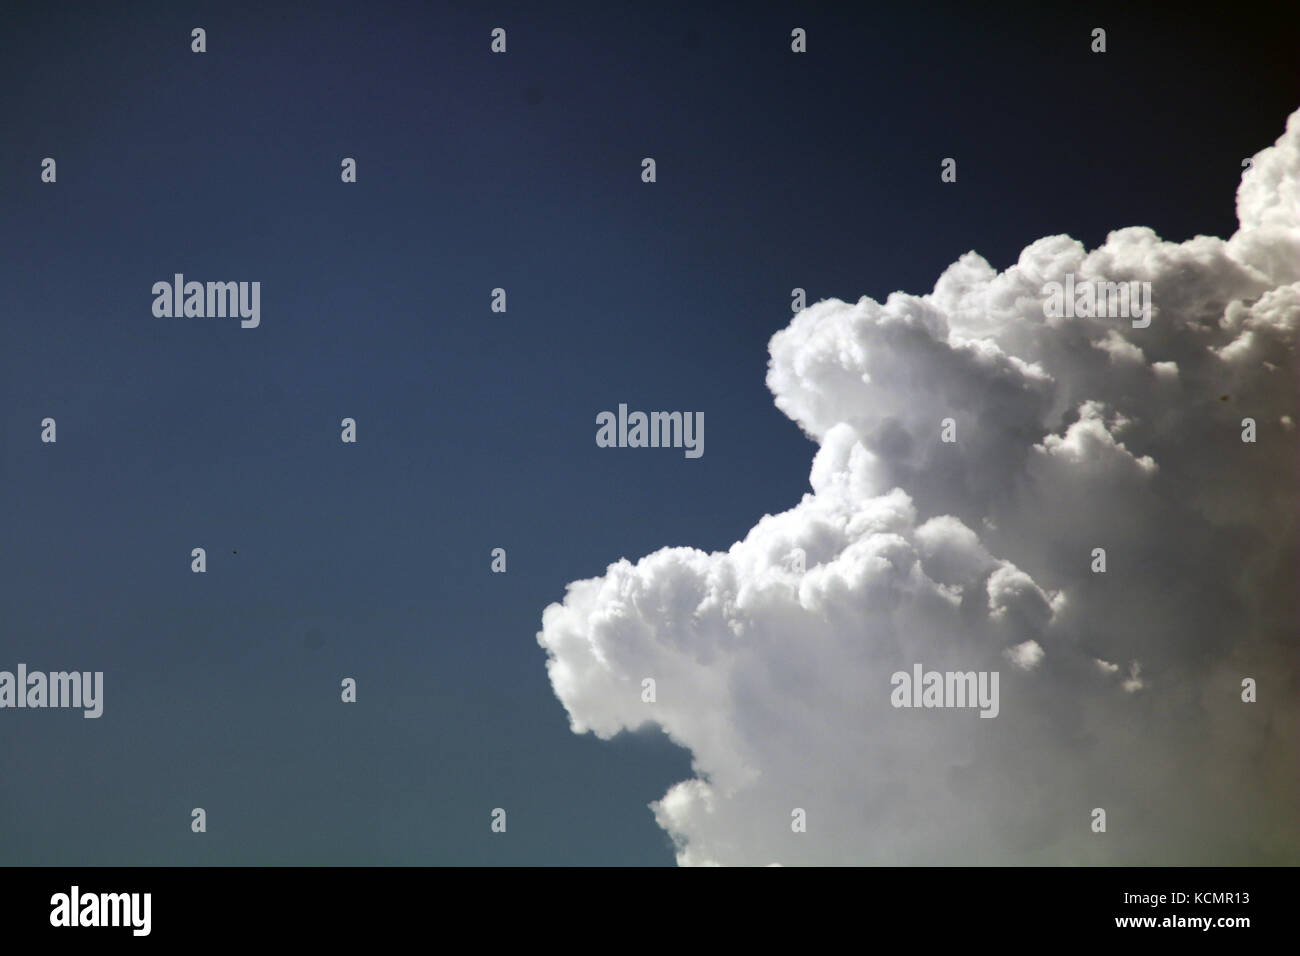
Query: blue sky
x=476 y=429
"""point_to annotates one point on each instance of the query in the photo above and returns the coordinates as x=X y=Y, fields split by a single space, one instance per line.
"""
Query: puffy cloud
x=1120 y=690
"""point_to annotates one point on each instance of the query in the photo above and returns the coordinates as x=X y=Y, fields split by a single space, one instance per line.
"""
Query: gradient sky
x=476 y=429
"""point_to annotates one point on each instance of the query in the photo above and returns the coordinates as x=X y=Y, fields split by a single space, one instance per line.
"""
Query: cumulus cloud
x=1120 y=690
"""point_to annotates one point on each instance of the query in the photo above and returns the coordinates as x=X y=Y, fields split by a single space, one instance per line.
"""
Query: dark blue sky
x=476 y=429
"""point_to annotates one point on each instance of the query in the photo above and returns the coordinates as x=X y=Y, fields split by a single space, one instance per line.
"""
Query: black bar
x=335 y=905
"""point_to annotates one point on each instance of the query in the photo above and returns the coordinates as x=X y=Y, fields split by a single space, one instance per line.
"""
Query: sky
x=476 y=430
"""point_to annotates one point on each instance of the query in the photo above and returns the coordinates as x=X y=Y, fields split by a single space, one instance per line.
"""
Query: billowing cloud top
x=1120 y=690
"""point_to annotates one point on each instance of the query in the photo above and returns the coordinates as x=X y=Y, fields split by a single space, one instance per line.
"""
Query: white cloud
x=976 y=555
x=1026 y=656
